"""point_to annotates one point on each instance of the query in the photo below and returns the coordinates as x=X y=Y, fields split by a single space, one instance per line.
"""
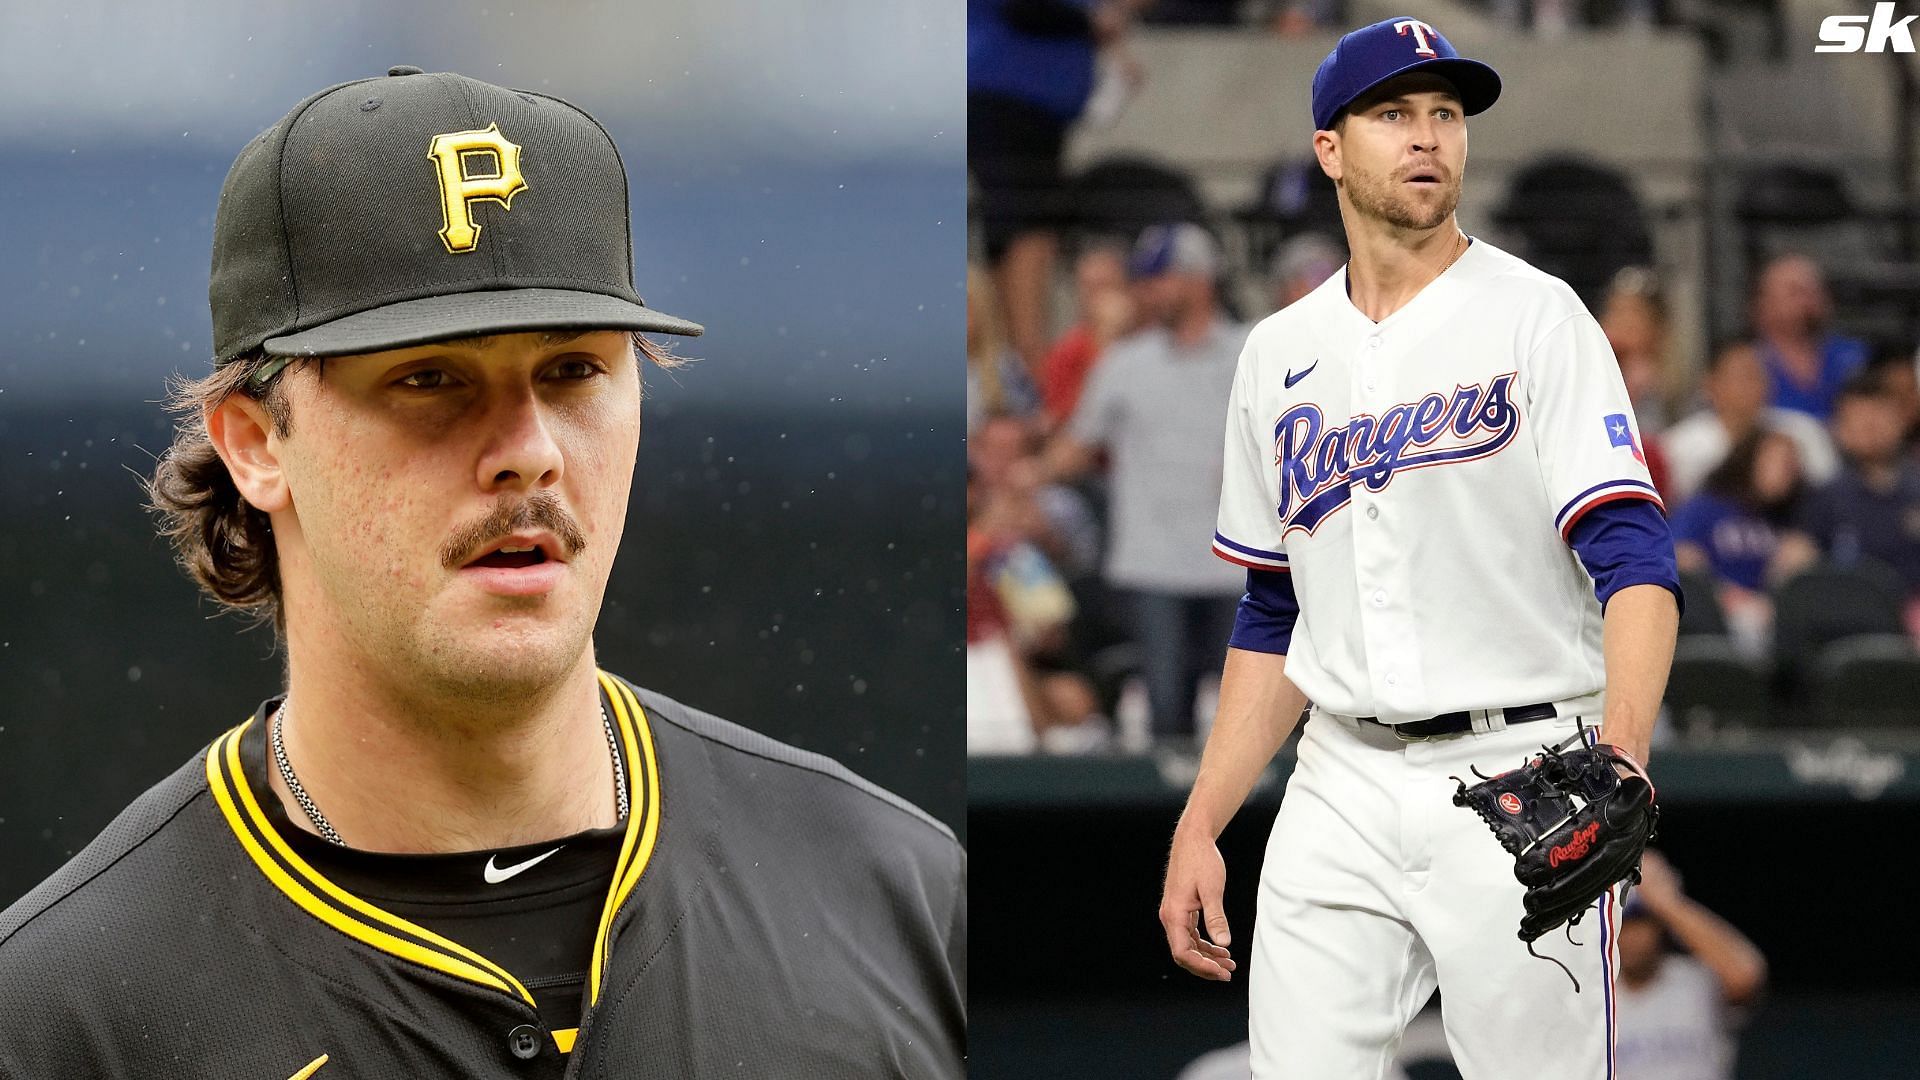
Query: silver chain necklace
x=331 y=835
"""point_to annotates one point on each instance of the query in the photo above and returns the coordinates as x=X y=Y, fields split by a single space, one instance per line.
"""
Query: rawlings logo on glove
x=1574 y=825
x=1575 y=848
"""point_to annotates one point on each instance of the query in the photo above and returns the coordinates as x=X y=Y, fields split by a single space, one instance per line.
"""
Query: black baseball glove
x=1574 y=826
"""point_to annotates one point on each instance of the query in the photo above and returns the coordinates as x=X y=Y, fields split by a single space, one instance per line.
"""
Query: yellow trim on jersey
x=564 y=1037
x=480 y=970
x=636 y=849
x=634 y=813
x=228 y=782
x=312 y=1067
x=651 y=828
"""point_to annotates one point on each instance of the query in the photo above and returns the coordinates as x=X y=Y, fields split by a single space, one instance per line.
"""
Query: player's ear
x=1326 y=148
x=241 y=433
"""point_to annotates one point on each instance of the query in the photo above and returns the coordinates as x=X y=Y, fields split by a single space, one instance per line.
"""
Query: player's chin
x=502 y=658
x=512 y=634
x=1427 y=212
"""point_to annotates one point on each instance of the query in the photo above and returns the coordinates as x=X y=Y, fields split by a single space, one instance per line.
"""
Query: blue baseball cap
x=1373 y=54
x=1174 y=248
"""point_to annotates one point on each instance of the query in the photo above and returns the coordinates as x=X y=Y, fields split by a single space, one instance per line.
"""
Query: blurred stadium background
x=1743 y=216
x=797 y=186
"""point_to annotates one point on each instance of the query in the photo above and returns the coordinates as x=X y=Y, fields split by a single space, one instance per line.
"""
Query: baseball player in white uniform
x=1455 y=556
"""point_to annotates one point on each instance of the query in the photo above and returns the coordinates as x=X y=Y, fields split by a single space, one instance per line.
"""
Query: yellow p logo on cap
x=455 y=156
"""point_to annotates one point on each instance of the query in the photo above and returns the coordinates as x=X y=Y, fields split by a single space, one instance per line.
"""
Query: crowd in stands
x=1095 y=450
x=1095 y=475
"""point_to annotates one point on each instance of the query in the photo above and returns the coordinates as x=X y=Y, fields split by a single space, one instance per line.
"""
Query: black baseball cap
x=397 y=211
x=1373 y=54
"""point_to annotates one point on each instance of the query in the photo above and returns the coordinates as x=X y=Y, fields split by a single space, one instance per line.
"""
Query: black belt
x=1454 y=723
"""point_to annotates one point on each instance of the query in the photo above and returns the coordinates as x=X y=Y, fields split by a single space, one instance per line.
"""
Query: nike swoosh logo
x=497 y=874
x=312 y=1067
x=1292 y=378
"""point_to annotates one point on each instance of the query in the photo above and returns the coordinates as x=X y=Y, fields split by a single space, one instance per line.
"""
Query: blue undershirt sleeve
x=1626 y=543
x=1265 y=620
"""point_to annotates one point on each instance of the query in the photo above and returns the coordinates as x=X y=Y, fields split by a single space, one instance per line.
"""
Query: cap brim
x=1478 y=84
x=470 y=314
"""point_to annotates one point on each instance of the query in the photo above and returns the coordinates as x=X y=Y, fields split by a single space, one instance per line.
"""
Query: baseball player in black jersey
x=455 y=846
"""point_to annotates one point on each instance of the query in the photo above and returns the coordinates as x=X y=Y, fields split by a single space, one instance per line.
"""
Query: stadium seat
x=1807 y=208
x=1123 y=195
x=1702 y=614
x=1188 y=13
x=1810 y=208
x=1795 y=193
x=1712 y=686
x=1109 y=669
x=1579 y=221
x=1828 y=602
x=1295 y=196
x=1868 y=682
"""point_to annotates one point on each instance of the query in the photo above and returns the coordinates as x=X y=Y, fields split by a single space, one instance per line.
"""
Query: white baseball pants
x=1376 y=888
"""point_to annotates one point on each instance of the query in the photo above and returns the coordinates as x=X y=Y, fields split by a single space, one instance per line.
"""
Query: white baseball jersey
x=1418 y=476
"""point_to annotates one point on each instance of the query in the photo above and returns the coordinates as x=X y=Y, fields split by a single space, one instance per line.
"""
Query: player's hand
x=1196 y=879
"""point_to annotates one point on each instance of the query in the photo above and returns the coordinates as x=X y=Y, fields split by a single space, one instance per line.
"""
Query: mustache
x=541 y=510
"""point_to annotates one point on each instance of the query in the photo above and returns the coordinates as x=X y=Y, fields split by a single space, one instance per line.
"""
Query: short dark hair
x=1888 y=361
x=224 y=543
x=1865 y=384
x=1723 y=350
x=1733 y=477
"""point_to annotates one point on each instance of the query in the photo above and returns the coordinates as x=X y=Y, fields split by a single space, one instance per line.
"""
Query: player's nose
x=523 y=452
x=1425 y=135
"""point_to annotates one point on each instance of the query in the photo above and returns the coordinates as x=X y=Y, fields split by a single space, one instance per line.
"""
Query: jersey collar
x=237 y=776
x=1439 y=293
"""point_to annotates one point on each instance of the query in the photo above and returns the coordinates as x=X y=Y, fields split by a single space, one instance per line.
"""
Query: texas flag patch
x=1620 y=434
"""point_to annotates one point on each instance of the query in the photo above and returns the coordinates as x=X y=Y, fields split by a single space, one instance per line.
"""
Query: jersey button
x=524 y=1042
x=1373 y=512
x=1373 y=343
x=1379 y=598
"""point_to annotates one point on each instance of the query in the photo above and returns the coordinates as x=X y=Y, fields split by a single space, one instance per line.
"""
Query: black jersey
x=769 y=915
x=532 y=908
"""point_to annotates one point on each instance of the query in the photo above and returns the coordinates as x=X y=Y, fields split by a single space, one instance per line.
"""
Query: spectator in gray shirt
x=1679 y=1012
x=1157 y=405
